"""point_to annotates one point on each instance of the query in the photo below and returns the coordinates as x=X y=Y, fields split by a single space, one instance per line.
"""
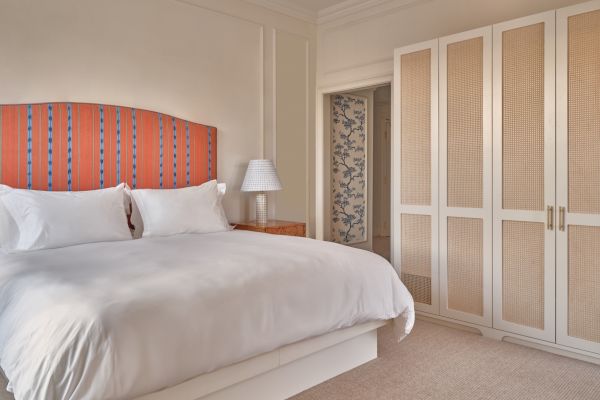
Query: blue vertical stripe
x=29 y=146
x=174 y=152
x=209 y=154
x=101 y=146
x=118 y=145
x=134 y=176
x=69 y=146
x=50 y=147
x=187 y=153
x=160 y=162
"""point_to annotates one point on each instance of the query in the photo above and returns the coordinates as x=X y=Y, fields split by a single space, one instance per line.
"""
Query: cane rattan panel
x=465 y=265
x=584 y=282
x=584 y=113
x=465 y=123
x=415 y=173
x=418 y=286
x=416 y=256
x=523 y=118
x=523 y=273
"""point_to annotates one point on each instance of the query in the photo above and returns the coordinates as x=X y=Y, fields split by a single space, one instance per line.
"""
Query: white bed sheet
x=122 y=319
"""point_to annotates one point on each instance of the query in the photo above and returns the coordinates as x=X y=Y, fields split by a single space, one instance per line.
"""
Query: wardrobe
x=497 y=177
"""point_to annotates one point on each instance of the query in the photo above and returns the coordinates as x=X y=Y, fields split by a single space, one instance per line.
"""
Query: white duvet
x=122 y=319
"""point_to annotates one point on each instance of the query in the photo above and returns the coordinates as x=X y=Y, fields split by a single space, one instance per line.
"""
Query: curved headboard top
x=77 y=146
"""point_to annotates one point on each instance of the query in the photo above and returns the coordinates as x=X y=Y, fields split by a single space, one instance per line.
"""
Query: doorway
x=357 y=163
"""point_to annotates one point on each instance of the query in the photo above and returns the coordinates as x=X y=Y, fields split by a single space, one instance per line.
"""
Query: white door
x=524 y=176
x=415 y=172
x=578 y=176
x=465 y=84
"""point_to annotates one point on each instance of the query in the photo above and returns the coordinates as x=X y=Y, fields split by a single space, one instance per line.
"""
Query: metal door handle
x=561 y=219
x=550 y=218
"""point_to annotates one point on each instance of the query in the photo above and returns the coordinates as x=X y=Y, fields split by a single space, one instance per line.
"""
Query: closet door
x=415 y=193
x=524 y=176
x=578 y=176
x=465 y=82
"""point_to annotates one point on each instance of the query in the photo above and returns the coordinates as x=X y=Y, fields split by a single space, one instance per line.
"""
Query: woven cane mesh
x=416 y=256
x=584 y=282
x=465 y=123
x=465 y=265
x=523 y=118
x=418 y=286
x=584 y=113
x=415 y=173
x=523 y=273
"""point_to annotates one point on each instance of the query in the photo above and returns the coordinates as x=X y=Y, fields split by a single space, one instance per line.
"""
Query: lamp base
x=261 y=208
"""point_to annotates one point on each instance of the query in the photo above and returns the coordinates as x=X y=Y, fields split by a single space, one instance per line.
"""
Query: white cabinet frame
x=562 y=180
x=398 y=209
x=485 y=213
x=500 y=215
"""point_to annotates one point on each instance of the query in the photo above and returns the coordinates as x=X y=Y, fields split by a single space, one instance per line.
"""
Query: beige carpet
x=437 y=362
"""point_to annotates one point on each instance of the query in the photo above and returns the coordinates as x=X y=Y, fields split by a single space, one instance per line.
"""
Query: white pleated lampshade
x=261 y=177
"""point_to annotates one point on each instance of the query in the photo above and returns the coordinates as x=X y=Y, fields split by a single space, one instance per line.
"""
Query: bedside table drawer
x=292 y=230
x=275 y=227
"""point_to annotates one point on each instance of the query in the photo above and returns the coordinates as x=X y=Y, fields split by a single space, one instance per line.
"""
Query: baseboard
x=510 y=337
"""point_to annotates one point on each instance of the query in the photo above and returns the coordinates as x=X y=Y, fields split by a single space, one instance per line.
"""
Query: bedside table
x=276 y=227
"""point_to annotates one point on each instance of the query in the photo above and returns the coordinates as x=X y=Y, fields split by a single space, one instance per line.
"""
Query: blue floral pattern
x=348 y=161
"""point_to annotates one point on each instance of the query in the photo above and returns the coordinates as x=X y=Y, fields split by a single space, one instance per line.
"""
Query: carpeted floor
x=436 y=362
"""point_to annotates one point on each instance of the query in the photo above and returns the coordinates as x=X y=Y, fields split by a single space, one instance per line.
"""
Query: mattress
x=122 y=319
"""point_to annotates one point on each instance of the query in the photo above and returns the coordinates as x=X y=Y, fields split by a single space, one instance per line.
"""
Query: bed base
x=284 y=372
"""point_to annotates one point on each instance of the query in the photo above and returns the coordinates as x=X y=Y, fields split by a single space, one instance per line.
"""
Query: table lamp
x=261 y=177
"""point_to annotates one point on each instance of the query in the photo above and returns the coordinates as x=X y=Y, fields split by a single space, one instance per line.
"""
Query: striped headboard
x=76 y=146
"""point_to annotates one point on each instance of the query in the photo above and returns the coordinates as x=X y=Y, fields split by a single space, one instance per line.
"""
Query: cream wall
x=209 y=61
x=361 y=47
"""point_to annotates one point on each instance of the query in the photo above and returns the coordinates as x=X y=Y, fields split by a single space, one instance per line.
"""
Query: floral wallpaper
x=348 y=162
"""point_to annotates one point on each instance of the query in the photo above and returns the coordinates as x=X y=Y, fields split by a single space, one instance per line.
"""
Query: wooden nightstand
x=275 y=227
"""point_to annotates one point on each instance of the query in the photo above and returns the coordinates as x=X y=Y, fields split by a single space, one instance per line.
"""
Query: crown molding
x=351 y=11
x=287 y=7
x=347 y=11
x=346 y=8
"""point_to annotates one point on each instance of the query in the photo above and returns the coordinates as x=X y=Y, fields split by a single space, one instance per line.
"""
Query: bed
x=223 y=315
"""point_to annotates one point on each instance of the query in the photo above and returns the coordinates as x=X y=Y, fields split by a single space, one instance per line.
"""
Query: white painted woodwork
x=281 y=373
x=397 y=207
x=484 y=213
x=562 y=181
x=500 y=214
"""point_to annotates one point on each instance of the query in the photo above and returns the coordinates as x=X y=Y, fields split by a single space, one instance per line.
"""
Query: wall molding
x=306 y=40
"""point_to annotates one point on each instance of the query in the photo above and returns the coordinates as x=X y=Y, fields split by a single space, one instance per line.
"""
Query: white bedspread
x=122 y=319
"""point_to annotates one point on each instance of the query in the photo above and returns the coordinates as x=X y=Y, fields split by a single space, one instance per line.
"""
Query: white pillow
x=58 y=219
x=195 y=209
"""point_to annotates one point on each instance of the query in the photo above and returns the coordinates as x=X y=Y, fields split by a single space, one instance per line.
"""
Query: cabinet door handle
x=550 y=218
x=561 y=219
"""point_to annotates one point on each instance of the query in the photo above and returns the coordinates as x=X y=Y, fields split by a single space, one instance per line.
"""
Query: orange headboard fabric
x=76 y=146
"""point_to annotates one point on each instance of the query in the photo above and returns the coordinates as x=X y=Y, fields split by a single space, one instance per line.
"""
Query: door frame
x=321 y=175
